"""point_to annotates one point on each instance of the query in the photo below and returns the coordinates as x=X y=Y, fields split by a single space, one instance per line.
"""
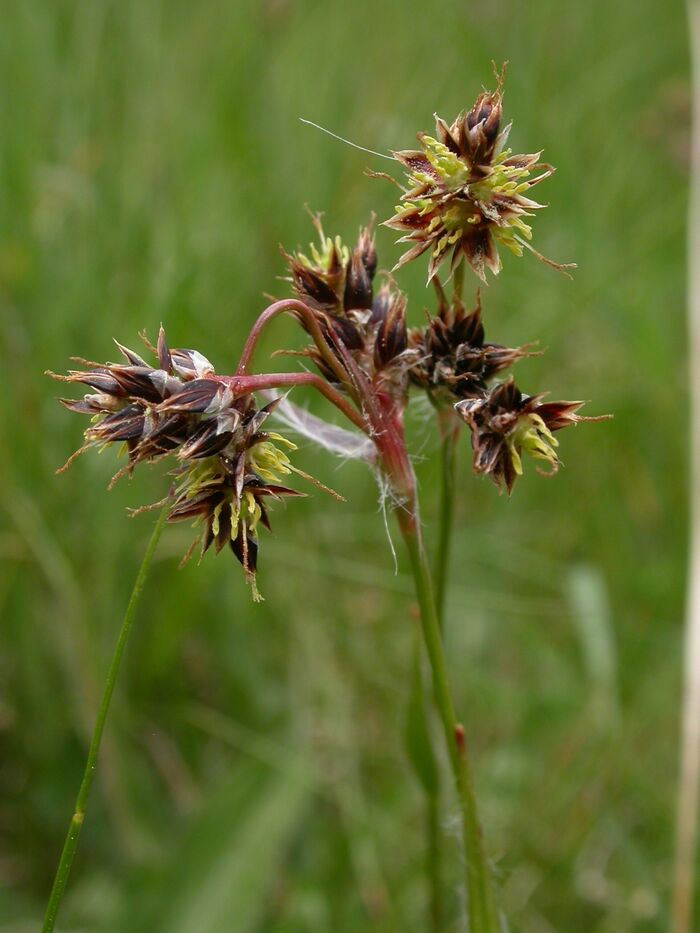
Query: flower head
x=452 y=359
x=505 y=424
x=227 y=467
x=466 y=194
x=338 y=285
x=227 y=493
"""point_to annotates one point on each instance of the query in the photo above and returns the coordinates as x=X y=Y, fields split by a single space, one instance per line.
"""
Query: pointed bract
x=452 y=359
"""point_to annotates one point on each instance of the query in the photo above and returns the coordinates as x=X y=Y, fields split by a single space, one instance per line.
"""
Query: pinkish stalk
x=242 y=385
x=388 y=436
x=295 y=307
x=380 y=416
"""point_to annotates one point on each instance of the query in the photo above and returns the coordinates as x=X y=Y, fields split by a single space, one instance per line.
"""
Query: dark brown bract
x=338 y=285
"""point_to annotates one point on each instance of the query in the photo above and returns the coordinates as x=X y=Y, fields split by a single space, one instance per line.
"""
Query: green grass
x=253 y=776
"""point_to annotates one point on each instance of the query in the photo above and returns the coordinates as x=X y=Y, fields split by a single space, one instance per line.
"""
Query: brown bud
x=391 y=339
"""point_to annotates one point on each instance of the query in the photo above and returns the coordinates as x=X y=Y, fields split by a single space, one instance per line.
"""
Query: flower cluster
x=227 y=467
x=452 y=360
x=466 y=194
x=338 y=285
x=456 y=367
x=448 y=357
x=505 y=424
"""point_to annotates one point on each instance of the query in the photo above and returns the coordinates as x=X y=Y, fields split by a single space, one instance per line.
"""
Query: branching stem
x=302 y=312
x=241 y=385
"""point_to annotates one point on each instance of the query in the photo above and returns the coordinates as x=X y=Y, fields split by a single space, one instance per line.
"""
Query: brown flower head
x=452 y=359
x=228 y=467
x=338 y=285
x=466 y=195
x=505 y=423
x=227 y=493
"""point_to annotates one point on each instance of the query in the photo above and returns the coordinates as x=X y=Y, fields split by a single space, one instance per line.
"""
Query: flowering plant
x=466 y=195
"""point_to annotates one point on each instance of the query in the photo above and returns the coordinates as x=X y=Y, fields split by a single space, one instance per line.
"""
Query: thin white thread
x=384 y=494
x=347 y=142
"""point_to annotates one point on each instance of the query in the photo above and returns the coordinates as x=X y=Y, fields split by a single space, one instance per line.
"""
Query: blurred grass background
x=254 y=779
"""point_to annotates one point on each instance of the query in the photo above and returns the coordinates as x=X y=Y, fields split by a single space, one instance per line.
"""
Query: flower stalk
x=448 y=463
x=419 y=746
x=481 y=908
x=71 y=842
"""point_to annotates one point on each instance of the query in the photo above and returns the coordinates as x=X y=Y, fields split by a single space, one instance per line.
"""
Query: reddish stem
x=310 y=319
x=242 y=385
x=389 y=438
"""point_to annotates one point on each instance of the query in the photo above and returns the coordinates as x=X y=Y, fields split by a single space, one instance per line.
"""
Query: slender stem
x=689 y=780
x=442 y=563
x=434 y=862
x=241 y=385
x=71 y=843
x=481 y=909
x=446 y=519
x=419 y=746
x=310 y=320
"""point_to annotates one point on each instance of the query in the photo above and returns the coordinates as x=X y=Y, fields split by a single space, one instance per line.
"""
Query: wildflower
x=227 y=466
x=505 y=424
x=466 y=195
x=452 y=361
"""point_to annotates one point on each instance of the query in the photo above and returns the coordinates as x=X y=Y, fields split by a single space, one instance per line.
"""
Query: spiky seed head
x=338 y=285
x=228 y=468
x=466 y=194
x=451 y=357
x=505 y=424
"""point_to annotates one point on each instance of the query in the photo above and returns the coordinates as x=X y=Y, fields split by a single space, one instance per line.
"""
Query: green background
x=253 y=776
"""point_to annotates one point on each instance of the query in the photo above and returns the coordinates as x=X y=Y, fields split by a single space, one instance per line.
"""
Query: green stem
x=481 y=909
x=442 y=562
x=419 y=746
x=446 y=522
x=458 y=280
x=434 y=862
x=71 y=843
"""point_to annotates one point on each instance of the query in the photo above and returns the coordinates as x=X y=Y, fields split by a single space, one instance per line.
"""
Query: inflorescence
x=226 y=466
x=466 y=196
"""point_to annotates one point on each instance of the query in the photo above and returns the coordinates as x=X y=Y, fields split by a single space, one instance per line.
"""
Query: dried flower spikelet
x=389 y=318
x=505 y=424
x=338 y=285
x=126 y=404
x=227 y=466
x=318 y=278
x=227 y=493
x=466 y=194
x=451 y=358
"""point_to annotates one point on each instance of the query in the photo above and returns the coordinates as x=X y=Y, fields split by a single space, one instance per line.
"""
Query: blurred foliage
x=253 y=777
